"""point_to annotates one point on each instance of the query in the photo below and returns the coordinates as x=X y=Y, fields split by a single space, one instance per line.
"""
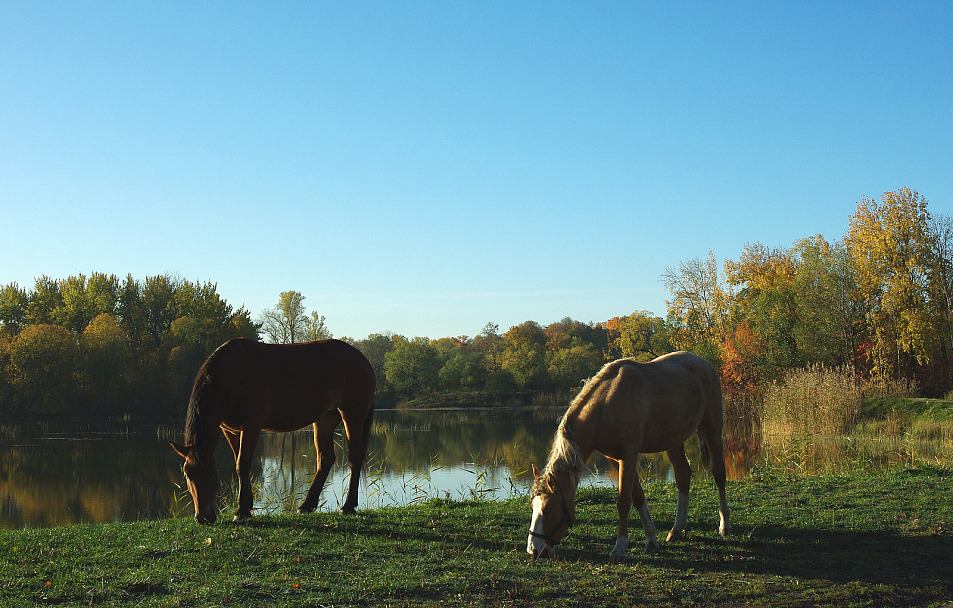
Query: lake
x=71 y=471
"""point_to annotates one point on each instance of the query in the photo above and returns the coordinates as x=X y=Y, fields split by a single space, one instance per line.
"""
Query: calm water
x=63 y=472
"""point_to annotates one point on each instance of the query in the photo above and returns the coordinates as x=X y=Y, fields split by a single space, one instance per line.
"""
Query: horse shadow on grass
x=876 y=557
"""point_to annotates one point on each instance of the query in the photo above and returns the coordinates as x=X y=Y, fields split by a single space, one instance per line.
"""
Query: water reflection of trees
x=80 y=472
x=55 y=473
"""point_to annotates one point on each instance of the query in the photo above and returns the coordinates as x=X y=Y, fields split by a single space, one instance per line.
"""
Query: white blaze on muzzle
x=535 y=544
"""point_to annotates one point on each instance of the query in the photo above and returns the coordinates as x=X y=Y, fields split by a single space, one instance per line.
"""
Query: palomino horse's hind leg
x=357 y=431
x=324 y=446
x=717 y=451
x=683 y=478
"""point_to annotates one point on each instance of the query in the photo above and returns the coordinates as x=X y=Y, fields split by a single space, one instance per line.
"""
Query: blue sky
x=426 y=168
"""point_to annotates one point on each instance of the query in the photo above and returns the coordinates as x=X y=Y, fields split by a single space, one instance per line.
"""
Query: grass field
x=839 y=539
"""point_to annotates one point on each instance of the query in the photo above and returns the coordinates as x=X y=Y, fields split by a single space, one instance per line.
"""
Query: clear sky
x=428 y=167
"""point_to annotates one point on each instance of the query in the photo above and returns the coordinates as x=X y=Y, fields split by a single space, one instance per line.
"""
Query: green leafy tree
x=828 y=330
x=375 y=347
x=412 y=367
x=525 y=355
x=642 y=336
x=13 y=308
x=44 y=300
x=570 y=367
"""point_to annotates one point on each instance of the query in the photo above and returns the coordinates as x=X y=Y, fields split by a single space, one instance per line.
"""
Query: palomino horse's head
x=553 y=511
x=202 y=479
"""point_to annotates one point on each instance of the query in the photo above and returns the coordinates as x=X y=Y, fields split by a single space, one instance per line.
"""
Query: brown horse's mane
x=196 y=427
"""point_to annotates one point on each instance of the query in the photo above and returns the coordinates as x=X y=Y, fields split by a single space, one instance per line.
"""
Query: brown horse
x=246 y=387
x=630 y=408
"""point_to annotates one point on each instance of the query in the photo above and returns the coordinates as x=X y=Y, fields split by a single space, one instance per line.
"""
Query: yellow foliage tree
x=890 y=250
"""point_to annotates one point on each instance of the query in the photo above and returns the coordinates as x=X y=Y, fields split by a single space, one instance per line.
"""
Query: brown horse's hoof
x=241 y=518
x=305 y=509
x=347 y=510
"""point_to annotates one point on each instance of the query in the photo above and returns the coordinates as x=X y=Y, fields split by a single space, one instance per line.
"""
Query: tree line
x=878 y=301
x=102 y=345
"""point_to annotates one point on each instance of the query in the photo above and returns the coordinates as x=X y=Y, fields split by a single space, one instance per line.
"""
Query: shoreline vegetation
x=854 y=538
x=871 y=309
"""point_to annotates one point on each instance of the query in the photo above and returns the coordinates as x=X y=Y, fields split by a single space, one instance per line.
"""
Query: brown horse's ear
x=180 y=449
x=536 y=473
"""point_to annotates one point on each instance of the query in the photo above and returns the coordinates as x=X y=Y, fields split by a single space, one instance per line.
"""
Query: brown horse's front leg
x=246 y=451
x=324 y=446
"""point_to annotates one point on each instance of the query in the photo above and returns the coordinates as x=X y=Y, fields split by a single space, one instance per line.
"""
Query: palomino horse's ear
x=536 y=473
x=180 y=449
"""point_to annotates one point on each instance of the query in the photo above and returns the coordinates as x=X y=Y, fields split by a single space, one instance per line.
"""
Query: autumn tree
x=43 y=367
x=890 y=251
x=766 y=298
x=286 y=322
x=699 y=313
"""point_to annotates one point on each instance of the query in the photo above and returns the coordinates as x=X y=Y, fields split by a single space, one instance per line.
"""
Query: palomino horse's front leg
x=246 y=452
x=630 y=490
x=683 y=478
x=324 y=446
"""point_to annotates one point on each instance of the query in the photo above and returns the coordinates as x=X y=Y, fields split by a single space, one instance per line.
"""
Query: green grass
x=858 y=539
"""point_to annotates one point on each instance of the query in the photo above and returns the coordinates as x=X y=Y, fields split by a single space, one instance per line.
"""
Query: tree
x=569 y=367
x=642 y=336
x=44 y=361
x=13 y=308
x=890 y=251
x=106 y=354
x=375 y=347
x=412 y=367
x=286 y=323
x=525 y=355
x=699 y=313
x=81 y=300
x=315 y=328
x=767 y=301
x=828 y=330
x=44 y=300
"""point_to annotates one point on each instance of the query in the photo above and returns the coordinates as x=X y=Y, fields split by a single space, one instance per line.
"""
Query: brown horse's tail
x=705 y=452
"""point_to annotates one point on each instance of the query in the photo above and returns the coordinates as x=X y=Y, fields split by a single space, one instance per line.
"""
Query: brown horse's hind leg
x=358 y=437
x=324 y=446
x=683 y=478
x=712 y=439
x=246 y=451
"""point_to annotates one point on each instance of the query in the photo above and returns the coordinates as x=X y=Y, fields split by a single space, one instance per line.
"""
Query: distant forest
x=878 y=302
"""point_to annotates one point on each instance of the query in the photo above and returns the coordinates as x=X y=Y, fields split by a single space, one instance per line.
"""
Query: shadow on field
x=799 y=553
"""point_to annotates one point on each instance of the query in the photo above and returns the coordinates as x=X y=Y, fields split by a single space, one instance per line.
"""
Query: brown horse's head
x=554 y=511
x=202 y=479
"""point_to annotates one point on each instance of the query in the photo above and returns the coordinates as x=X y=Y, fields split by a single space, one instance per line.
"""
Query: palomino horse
x=246 y=387
x=630 y=408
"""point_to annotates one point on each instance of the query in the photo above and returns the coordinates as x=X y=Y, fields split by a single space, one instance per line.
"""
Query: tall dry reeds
x=821 y=400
